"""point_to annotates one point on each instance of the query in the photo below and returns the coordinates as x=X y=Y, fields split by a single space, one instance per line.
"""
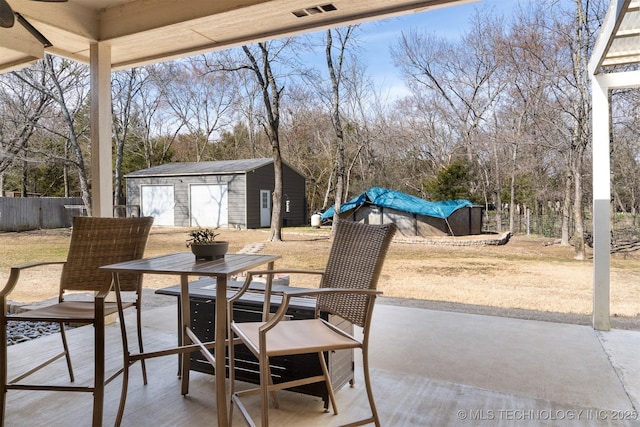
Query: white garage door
x=158 y=201
x=209 y=206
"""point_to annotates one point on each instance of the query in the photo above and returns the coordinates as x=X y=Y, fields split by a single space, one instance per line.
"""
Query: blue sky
x=377 y=37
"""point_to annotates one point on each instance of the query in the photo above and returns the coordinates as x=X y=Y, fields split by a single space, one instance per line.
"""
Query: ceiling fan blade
x=33 y=30
x=6 y=15
x=7 y=18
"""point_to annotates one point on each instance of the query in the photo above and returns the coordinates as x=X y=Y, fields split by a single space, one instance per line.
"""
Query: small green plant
x=202 y=236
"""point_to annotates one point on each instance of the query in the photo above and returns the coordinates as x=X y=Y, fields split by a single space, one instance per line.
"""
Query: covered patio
x=117 y=34
x=444 y=368
x=463 y=369
x=428 y=363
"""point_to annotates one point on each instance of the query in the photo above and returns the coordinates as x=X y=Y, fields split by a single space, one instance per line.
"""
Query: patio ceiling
x=146 y=31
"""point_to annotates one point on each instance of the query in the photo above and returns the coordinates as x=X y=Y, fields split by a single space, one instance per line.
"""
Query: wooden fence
x=32 y=213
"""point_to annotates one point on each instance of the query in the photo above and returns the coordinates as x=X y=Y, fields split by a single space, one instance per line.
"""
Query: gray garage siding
x=293 y=187
x=236 y=194
x=257 y=179
x=245 y=179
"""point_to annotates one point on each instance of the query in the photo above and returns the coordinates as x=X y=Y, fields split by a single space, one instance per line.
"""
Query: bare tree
x=21 y=108
x=583 y=39
x=126 y=87
x=262 y=62
x=66 y=83
x=307 y=142
x=335 y=69
x=460 y=80
x=247 y=112
x=200 y=97
x=522 y=115
x=571 y=89
x=626 y=154
x=448 y=118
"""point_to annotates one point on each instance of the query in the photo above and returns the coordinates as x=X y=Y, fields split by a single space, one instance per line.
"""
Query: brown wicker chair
x=94 y=242
x=347 y=289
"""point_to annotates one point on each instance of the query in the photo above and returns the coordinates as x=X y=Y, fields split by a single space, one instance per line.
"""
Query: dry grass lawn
x=528 y=273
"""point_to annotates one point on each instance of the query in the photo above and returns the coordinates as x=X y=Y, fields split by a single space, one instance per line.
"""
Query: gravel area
x=18 y=332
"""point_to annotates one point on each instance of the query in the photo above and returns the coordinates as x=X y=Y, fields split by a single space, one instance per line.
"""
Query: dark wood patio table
x=184 y=265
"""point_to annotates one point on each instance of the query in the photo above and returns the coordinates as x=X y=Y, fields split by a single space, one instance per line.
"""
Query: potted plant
x=204 y=246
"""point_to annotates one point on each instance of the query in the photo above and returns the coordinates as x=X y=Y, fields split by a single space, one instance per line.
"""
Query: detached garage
x=226 y=193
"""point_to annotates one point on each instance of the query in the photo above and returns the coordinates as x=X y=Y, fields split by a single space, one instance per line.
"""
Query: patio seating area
x=429 y=368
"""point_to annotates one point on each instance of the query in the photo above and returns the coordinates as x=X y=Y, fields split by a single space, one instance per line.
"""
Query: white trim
x=608 y=29
x=621 y=80
x=601 y=206
x=601 y=84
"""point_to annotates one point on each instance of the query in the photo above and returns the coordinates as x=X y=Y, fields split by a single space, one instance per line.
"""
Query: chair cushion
x=296 y=337
x=68 y=310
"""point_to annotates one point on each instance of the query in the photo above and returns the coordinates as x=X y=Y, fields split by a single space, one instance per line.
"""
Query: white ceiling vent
x=315 y=10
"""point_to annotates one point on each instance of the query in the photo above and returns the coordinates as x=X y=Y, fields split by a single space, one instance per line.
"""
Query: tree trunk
x=25 y=176
x=566 y=210
x=72 y=136
x=578 y=235
x=498 y=187
x=512 y=201
x=276 y=218
x=271 y=99
x=335 y=73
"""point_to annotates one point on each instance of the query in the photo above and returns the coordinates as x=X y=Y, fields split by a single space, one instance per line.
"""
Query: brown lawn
x=528 y=273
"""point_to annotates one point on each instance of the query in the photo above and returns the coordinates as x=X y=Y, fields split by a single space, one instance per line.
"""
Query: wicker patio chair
x=347 y=289
x=94 y=242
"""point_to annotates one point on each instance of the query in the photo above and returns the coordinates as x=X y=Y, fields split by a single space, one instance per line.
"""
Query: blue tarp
x=402 y=202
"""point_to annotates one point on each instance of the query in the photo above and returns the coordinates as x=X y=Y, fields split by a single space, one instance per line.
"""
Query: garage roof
x=220 y=167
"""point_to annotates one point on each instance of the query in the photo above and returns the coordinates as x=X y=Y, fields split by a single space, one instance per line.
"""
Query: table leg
x=220 y=350
x=180 y=334
x=185 y=312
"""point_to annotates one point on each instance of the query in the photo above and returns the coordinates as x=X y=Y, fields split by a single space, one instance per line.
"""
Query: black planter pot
x=209 y=251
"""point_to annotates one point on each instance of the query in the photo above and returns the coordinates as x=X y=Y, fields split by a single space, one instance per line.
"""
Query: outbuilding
x=225 y=194
x=412 y=215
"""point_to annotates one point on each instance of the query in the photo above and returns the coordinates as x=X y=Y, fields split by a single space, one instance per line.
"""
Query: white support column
x=601 y=205
x=101 y=123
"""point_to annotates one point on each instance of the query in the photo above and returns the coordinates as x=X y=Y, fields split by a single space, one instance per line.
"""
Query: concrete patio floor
x=429 y=368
